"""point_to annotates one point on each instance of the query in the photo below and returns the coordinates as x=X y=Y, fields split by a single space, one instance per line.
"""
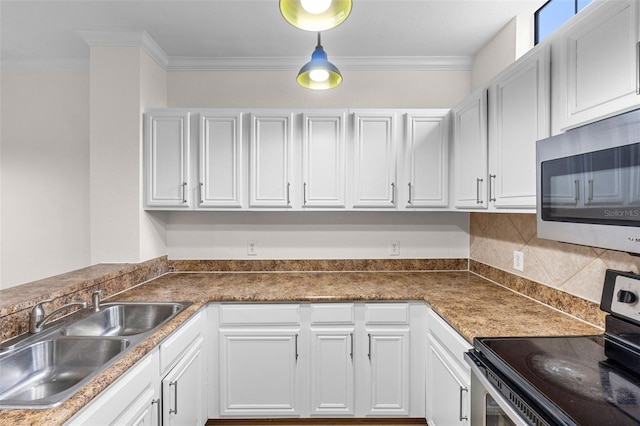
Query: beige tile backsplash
x=577 y=270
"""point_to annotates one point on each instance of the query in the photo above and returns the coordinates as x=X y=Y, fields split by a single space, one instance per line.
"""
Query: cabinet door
x=470 y=152
x=387 y=366
x=332 y=371
x=132 y=399
x=183 y=389
x=519 y=103
x=270 y=160
x=166 y=160
x=144 y=411
x=221 y=161
x=447 y=388
x=259 y=372
x=598 y=75
x=324 y=164
x=374 y=179
x=426 y=159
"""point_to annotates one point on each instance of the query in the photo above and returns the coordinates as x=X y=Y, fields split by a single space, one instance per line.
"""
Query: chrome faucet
x=96 y=300
x=37 y=318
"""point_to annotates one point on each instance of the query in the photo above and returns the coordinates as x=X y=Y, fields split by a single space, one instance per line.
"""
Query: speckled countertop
x=474 y=306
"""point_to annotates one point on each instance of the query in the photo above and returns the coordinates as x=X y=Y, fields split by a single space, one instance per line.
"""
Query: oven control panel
x=621 y=295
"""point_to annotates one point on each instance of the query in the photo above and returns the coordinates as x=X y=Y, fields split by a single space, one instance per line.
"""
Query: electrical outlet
x=518 y=260
x=252 y=249
x=394 y=248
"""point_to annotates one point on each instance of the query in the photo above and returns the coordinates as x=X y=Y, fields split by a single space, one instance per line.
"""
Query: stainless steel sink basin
x=41 y=370
x=48 y=371
x=123 y=319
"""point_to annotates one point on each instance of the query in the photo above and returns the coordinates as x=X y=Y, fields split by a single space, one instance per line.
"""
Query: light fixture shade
x=315 y=15
x=319 y=73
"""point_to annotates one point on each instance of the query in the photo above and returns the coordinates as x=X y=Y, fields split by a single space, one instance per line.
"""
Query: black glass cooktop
x=584 y=380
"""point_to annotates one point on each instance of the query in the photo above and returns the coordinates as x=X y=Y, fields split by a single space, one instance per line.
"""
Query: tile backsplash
x=575 y=269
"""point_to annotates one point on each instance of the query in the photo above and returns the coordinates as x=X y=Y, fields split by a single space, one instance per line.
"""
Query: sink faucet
x=37 y=318
x=96 y=300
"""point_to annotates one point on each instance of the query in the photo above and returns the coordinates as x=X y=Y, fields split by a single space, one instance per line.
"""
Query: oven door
x=490 y=407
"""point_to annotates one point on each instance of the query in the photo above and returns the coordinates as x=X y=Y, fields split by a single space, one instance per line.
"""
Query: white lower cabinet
x=318 y=360
x=448 y=376
x=258 y=372
x=258 y=360
x=182 y=389
x=332 y=378
x=134 y=399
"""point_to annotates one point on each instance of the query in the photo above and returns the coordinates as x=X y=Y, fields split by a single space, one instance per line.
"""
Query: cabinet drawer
x=180 y=341
x=448 y=337
x=386 y=313
x=284 y=314
x=332 y=313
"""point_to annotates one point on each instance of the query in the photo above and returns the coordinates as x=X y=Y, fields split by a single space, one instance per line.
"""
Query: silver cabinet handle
x=288 y=192
x=351 y=353
x=590 y=190
x=577 y=185
x=462 y=389
x=158 y=412
x=478 y=184
x=393 y=193
x=304 y=194
x=410 y=197
x=184 y=192
x=492 y=196
x=638 y=68
x=201 y=192
x=174 y=383
x=296 y=347
x=369 y=354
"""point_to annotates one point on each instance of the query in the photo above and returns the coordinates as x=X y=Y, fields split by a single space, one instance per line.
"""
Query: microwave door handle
x=590 y=199
x=577 y=185
x=638 y=68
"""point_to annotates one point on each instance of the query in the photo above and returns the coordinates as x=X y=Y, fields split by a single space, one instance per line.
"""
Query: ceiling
x=252 y=32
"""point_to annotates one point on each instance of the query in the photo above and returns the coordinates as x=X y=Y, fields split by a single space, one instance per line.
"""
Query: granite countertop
x=473 y=305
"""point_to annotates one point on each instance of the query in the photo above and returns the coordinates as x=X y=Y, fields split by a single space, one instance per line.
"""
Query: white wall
x=44 y=174
x=153 y=94
x=513 y=41
x=279 y=89
x=115 y=154
x=317 y=235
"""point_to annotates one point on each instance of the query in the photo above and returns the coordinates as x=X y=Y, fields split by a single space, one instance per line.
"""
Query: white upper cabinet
x=374 y=159
x=470 y=152
x=595 y=64
x=221 y=160
x=518 y=116
x=324 y=159
x=270 y=159
x=425 y=159
x=166 y=157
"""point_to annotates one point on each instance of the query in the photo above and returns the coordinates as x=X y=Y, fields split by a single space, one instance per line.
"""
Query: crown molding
x=347 y=63
x=139 y=38
x=126 y=38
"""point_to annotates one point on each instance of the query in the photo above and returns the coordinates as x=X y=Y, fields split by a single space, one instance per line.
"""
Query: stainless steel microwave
x=588 y=184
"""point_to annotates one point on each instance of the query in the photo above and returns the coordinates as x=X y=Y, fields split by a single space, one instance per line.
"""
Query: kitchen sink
x=123 y=319
x=43 y=369
x=48 y=371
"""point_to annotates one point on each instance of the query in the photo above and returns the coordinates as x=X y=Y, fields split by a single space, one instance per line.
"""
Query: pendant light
x=319 y=73
x=315 y=15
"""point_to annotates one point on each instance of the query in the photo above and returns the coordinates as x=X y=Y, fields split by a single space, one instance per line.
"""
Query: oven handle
x=478 y=371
